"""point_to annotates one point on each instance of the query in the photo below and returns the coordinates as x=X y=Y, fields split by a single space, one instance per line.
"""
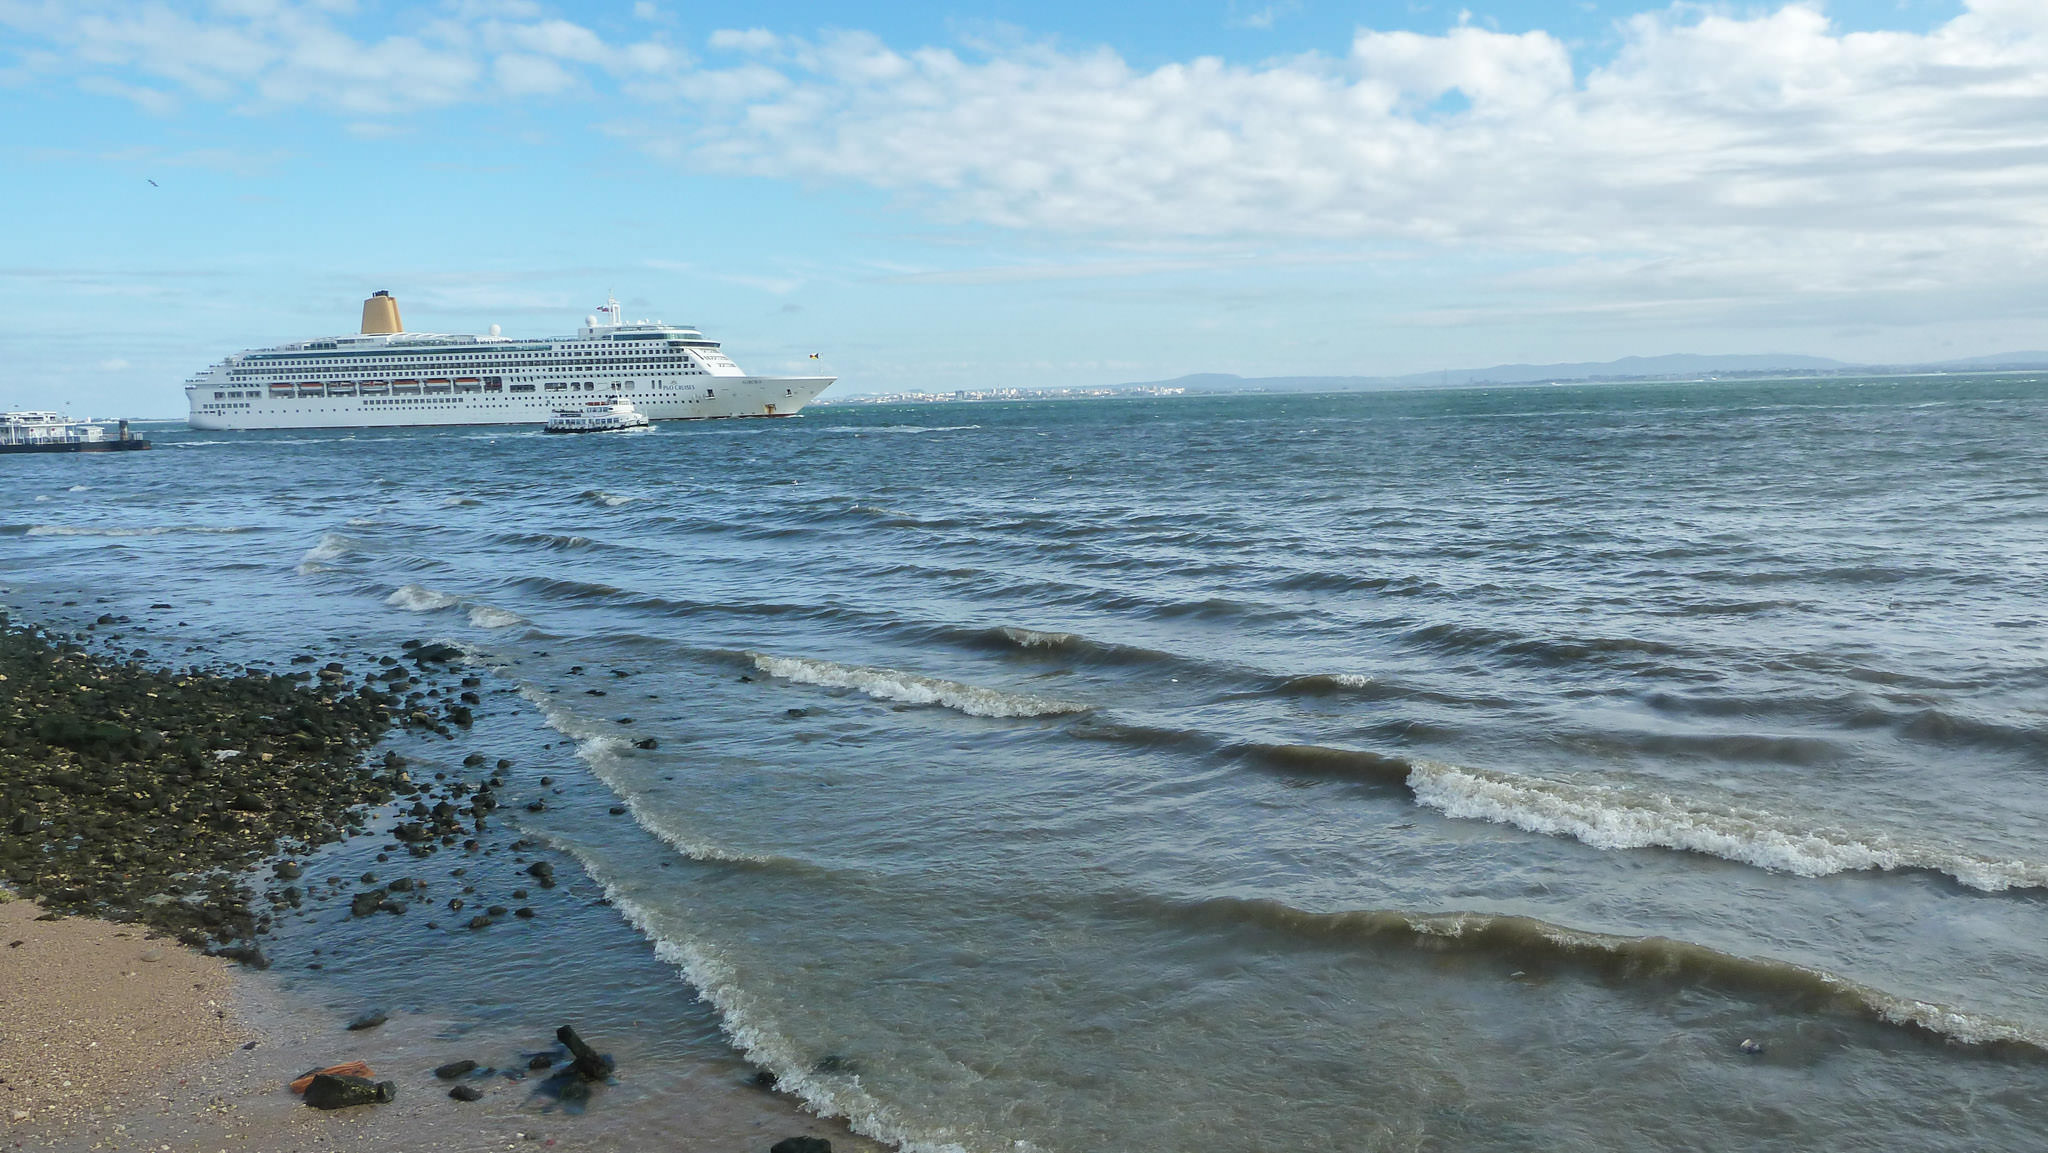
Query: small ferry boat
x=608 y=415
x=55 y=432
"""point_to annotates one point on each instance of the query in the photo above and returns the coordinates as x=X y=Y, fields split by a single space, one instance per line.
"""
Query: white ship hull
x=386 y=377
x=732 y=397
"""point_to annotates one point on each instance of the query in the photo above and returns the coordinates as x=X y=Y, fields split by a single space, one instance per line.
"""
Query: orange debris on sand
x=345 y=1069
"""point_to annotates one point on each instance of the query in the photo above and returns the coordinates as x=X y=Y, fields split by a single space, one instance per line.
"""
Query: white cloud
x=1712 y=147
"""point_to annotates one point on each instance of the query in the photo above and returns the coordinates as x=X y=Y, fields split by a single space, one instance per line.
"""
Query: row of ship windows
x=551 y=386
x=494 y=359
x=414 y=370
x=709 y=394
x=420 y=401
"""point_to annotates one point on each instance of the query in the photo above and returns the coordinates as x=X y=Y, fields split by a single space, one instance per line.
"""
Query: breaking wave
x=1612 y=817
x=487 y=617
x=746 y=1018
x=607 y=499
x=152 y=530
x=420 y=599
x=1622 y=817
x=914 y=688
x=1529 y=942
x=858 y=429
x=331 y=546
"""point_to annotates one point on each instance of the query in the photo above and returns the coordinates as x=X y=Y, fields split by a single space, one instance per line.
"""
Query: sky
x=999 y=194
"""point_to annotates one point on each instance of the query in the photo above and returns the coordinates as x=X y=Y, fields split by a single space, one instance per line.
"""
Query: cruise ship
x=385 y=376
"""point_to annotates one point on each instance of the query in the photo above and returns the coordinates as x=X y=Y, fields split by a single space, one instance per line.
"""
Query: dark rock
x=368 y=1020
x=453 y=1069
x=618 y=810
x=479 y=922
x=762 y=1079
x=590 y=1064
x=801 y=1145
x=536 y=806
x=364 y=904
x=539 y=1061
x=248 y=954
x=288 y=870
x=466 y=1093
x=334 y=1091
x=523 y=913
x=473 y=760
x=496 y=910
x=436 y=653
x=646 y=743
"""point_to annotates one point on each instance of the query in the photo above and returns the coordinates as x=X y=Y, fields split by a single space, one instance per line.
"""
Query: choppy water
x=1471 y=770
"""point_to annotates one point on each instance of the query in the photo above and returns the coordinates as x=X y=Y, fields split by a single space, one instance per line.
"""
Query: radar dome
x=494 y=330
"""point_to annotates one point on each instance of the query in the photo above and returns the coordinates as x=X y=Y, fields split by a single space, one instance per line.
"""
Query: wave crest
x=1614 y=817
x=488 y=617
x=420 y=599
x=914 y=688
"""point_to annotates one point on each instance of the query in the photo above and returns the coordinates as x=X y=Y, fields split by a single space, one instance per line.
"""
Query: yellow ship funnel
x=380 y=313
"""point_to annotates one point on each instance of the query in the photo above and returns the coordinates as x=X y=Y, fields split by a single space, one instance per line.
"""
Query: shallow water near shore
x=1465 y=770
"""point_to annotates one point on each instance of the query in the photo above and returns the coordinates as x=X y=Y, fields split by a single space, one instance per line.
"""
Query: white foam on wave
x=151 y=530
x=1037 y=639
x=359 y=522
x=1351 y=680
x=607 y=499
x=331 y=546
x=79 y=488
x=605 y=754
x=420 y=599
x=489 y=617
x=914 y=688
x=858 y=429
x=1614 y=817
x=747 y=1021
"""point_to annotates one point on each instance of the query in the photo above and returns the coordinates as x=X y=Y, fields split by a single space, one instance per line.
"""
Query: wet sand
x=112 y=1039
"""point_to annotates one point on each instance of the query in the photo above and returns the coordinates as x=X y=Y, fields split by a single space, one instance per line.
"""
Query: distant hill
x=1680 y=365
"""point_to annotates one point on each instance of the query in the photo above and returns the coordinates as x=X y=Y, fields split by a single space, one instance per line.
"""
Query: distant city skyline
x=1011 y=196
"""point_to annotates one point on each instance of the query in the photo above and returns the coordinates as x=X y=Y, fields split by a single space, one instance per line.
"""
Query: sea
x=1604 y=767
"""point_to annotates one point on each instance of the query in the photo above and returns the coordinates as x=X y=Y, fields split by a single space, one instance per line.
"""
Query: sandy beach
x=144 y=1031
x=111 y=1038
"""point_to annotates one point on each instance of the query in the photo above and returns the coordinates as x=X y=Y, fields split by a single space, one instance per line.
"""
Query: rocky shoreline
x=194 y=803
x=138 y=793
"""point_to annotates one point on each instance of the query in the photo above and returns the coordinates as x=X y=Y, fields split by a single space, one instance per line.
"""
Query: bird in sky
x=152 y=183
